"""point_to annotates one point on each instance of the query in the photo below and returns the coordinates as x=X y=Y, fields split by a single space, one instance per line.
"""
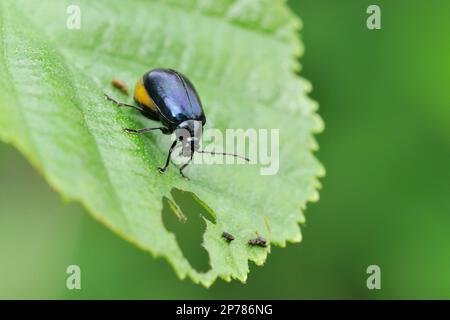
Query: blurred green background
x=385 y=98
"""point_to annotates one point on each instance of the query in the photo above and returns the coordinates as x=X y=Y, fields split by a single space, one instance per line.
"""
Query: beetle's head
x=189 y=133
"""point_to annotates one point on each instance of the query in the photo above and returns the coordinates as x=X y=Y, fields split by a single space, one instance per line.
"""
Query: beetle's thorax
x=189 y=133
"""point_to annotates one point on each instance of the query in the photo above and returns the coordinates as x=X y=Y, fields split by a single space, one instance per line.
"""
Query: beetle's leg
x=168 y=157
x=185 y=165
x=121 y=104
x=143 y=130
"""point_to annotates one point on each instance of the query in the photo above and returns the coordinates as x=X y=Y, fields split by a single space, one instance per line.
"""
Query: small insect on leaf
x=228 y=237
x=258 y=241
x=119 y=84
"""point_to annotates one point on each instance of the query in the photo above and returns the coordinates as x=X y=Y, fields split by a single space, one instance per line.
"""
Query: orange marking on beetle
x=141 y=96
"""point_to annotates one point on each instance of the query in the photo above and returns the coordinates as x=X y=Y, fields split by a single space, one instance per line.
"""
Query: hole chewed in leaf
x=185 y=218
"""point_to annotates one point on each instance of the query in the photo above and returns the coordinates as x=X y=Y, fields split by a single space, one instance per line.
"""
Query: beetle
x=258 y=241
x=167 y=96
x=227 y=236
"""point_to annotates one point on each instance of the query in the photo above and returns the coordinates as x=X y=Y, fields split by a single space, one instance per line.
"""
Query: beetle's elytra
x=167 y=96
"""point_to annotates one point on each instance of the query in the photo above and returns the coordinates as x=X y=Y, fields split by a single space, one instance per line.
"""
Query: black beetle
x=227 y=236
x=167 y=96
x=258 y=241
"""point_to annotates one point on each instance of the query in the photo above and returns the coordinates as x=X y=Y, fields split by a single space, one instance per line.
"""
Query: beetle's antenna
x=225 y=154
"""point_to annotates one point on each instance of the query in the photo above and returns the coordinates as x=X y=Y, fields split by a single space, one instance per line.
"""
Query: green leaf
x=240 y=54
